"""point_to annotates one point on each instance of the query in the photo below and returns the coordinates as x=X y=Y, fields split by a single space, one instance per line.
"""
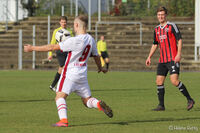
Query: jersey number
x=85 y=53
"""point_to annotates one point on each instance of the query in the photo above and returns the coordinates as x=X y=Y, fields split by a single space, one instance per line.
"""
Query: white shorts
x=68 y=86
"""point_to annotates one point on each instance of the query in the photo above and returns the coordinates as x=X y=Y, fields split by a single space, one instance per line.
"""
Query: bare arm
x=44 y=48
x=152 y=51
x=178 y=56
x=98 y=63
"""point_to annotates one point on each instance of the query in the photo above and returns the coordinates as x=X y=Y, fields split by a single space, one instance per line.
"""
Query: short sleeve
x=71 y=44
x=155 y=41
x=67 y=45
x=176 y=32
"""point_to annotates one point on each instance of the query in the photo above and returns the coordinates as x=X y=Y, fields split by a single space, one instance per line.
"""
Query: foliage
x=175 y=7
x=136 y=8
x=54 y=7
x=30 y=5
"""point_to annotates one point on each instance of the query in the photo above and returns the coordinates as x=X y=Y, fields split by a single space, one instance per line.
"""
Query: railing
x=110 y=22
x=196 y=46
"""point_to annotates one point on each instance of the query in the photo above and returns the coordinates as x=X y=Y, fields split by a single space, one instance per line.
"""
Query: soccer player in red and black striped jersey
x=168 y=38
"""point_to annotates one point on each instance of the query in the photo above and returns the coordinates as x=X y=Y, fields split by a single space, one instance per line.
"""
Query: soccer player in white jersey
x=74 y=74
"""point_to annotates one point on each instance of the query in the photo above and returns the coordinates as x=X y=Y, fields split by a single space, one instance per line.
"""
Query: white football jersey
x=80 y=48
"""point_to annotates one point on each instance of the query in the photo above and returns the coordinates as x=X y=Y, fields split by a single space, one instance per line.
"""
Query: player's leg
x=56 y=78
x=106 y=59
x=174 y=77
x=64 y=88
x=182 y=88
x=160 y=79
x=107 y=63
x=84 y=92
x=160 y=92
x=62 y=109
x=92 y=102
x=61 y=57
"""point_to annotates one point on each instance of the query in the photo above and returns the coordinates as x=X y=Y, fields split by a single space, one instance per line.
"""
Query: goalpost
x=197 y=30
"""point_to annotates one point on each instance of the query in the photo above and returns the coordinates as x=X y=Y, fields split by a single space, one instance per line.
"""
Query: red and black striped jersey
x=166 y=37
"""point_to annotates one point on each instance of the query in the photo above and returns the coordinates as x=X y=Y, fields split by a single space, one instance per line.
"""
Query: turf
x=27 y=104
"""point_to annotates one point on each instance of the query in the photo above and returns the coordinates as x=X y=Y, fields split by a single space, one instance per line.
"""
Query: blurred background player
x=102 y=51
x=61 y=56
x=74 y=75
x=168 y=37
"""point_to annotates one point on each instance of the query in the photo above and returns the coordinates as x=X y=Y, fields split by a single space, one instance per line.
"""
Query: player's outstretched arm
x=98 y=63
x=45 y=48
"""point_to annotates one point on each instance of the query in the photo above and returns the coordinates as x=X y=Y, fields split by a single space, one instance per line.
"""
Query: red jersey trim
x=64 y=72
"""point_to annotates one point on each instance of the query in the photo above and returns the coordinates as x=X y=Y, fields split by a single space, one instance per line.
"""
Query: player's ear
x=76 y=24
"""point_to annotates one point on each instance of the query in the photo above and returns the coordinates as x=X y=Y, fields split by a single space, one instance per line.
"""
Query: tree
x=30 y=5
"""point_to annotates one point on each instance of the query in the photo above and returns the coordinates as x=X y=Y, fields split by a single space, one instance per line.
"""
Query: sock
x=161 y=93
x=183 y=90
x=92 y=103
x=62 y=108
x=107 y=66
x=56 y=78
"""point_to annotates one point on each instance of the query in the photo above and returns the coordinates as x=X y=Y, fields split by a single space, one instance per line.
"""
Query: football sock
x=107 y=66
x=62 y=108
x=161 y=93
x=56 y=78
x=92 y=103
x=184 y=91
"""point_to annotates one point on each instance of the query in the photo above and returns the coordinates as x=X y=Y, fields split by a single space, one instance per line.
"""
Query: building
x=12 y=11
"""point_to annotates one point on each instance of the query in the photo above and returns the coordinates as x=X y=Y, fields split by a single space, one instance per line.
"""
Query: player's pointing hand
x=28 y=48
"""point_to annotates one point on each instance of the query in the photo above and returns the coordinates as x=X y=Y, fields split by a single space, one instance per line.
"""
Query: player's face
x=75 y=26
x=102 y=38
x=63 y=23
x=161 y=16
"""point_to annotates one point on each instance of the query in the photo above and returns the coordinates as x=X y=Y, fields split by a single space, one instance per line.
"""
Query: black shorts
x=104 y=54
x=163 y=68
x=61 y=57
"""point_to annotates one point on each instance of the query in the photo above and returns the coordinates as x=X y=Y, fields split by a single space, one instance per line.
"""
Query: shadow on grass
x=34 y=100
x=138 y=121
x=121 y=90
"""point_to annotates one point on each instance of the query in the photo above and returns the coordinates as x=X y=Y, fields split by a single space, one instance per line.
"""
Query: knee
x=60 y=95
x=159 y=82
x=175 y=82
x=107 y=60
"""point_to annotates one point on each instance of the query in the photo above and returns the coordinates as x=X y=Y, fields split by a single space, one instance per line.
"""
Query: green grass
x=27 y=105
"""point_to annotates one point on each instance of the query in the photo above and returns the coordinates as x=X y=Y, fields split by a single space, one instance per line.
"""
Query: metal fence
x=118 y=23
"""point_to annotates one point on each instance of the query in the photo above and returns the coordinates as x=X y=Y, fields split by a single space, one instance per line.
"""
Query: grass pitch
x=27 y=104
